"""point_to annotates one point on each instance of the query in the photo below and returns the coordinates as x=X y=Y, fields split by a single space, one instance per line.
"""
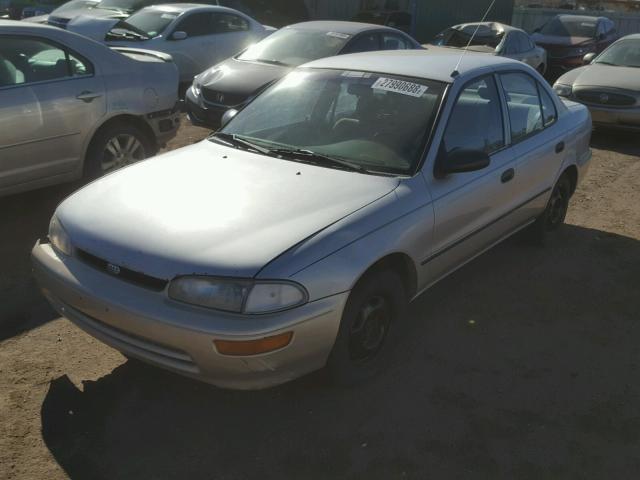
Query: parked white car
x=71 y=107
x=196 y=36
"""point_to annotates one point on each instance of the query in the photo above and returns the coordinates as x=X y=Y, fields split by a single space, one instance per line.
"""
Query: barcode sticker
x=400 y=86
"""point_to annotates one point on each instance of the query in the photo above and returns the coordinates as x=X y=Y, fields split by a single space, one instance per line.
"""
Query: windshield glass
x=459 y=37
x=570 y=27
x=294 y=47
x=623 y=54
x=126 y=5
x=75 y=5
x=149 y=22
x=376 y=122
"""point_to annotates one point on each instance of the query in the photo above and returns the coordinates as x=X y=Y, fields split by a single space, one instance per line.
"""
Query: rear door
x=50 y=99
x=232 y=34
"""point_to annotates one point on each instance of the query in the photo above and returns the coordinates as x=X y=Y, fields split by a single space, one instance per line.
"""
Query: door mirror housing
x=227 y=116
x=588 y=58
x=179 y=35
x=462 y=161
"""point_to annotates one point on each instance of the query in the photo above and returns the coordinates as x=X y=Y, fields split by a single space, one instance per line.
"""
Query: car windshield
x=124 y=5
x=293 y=47
x=460 y=37
x=375 y=123
x=622 y=54
x=150 y=23
x=570 y=27
x=75 y=5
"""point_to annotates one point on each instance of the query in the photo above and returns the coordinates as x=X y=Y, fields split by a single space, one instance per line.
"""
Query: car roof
x=183 y=7
x=491 y=25
x=434 y=63
x=348 y=28
x=25 y=26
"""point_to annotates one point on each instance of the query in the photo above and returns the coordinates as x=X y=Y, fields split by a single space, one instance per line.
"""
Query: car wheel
x=554 y=214
x=373 y=309
x=115 y=147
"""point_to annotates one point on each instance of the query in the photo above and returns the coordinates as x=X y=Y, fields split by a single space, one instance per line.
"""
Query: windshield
x=570 y=27
x=125 y=5
x=76 y=5
x=622 y=54
x=148 y=22
x=294 y=47
x=459 y=37
x=374 y=122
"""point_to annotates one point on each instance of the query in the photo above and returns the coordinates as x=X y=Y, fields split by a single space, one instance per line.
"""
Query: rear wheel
x=374 y=308
x=555 y=213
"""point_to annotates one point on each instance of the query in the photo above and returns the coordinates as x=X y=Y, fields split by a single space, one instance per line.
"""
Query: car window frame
x=68 y=51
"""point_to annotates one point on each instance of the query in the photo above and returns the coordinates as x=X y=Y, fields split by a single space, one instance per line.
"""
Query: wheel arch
x=400 y=263
x=123 y=118
x=572 y=172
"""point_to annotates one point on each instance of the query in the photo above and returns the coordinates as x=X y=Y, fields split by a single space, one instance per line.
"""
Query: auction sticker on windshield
x=400 y=86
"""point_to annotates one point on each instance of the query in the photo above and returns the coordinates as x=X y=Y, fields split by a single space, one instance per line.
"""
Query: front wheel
x=373 y=310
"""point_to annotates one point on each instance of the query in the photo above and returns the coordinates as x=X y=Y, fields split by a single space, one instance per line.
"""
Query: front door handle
x=560 y=147
x=87 y=96
x=508 y=175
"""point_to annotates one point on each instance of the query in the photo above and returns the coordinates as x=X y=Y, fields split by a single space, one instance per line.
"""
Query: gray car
x=609 y=85
x=496 y=39
x=295 y=237
x=71 y=107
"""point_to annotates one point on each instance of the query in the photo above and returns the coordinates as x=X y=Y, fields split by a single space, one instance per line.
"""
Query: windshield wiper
x=318 y=158
x=237 y=141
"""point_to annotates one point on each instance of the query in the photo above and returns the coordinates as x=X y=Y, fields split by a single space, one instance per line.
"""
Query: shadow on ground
x=616 y=141
x=524 y=364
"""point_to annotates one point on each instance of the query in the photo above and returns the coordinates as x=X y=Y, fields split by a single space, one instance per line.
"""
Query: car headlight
x=563 y=90
x=196 y=86
x=238 y=296
x=59 y=237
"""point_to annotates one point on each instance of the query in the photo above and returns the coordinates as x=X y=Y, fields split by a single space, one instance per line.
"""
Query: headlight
x=239 y=296
x=58 y=237
x=563 y=90
x=196 y=86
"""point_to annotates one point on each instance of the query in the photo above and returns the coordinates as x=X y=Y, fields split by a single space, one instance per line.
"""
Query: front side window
x=196 y=25
x=226 y=22
x=31 y=60
x=523 y=103
x=149 y=23
x=378 y=122
x=476 y=119
x=523 y=42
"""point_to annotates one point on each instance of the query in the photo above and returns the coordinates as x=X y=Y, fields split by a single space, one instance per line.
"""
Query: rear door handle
x=560 y=147
x=88 y=96
x=508 y=175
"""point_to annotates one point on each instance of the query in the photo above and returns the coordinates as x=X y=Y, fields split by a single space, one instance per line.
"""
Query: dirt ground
x=524 y=364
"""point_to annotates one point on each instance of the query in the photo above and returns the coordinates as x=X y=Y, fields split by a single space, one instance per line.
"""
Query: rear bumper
x=147 y=325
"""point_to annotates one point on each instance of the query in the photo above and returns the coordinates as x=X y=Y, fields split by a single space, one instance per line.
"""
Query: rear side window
x=368 y=42
x=549 y=112
x=476 y=119
x=525 y=113
x=391 y=41
x=226 y=22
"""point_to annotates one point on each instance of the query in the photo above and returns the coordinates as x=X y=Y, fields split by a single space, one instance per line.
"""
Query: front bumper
x=164 y=123
x=148 y=325
x=203 y=114
x=621 y=118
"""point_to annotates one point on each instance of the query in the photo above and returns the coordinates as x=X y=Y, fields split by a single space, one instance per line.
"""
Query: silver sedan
x=294 y=238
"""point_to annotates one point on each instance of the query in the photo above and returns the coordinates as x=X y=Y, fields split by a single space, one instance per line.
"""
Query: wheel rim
x=557 y=207
x=121 y=150
x=368 y=332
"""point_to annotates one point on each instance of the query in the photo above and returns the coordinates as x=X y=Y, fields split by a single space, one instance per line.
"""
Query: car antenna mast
x=455 y=72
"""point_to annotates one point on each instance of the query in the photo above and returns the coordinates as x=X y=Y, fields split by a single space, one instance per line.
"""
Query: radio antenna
x=455 y=73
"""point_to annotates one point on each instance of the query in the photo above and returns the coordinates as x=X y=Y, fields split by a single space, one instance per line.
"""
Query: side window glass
x=510 y=45
x=549 y=112
x=364 y=43
x=196 y=25
x=523 y=42
x=391 y=41
x=476 y=119
x=225 y=22
x=525 y=115
x=80 y=66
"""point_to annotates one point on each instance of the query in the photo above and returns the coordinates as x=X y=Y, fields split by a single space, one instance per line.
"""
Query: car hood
x=211 y=210
x=603 y=76
x=241 y=79
x=92 y=27
x=547 y=41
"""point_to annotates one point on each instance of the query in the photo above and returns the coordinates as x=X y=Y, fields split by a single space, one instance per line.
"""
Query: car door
x=232 y=34
x=49 y=102
x=538 y=142
x=472 y=209
x=192 y=53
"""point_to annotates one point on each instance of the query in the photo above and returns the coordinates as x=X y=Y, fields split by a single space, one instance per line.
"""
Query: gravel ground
x=523 y=364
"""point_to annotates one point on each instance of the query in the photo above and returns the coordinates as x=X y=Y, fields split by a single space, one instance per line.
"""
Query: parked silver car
x=71 y=107
x=496 y=39
x=609 y=85
x=295 y=237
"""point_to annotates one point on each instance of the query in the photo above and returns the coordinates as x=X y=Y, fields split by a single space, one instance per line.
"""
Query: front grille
x=58 y=22
x=221 y=98
x=125 y=274
x=600 y=97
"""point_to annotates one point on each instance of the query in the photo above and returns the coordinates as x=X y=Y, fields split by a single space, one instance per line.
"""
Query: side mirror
x=179 y=35
x=463 y=160
x=588 y=58
x=227 y=116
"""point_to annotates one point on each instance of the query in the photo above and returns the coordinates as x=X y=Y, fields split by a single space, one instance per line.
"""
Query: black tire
x=101 y=153
x=554 y=214
x=375 y=306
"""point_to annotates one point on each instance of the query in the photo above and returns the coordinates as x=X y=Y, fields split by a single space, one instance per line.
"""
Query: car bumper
x=164 y=123
x=622 y=118
x=203 y=114
x=147 y=325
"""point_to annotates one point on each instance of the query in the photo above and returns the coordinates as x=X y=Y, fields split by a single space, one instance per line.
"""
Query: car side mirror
x=179 y=35
x=462 y=161
x=227 y=116
x=588 y=58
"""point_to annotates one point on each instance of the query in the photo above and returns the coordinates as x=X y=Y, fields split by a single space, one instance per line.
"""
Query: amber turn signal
x=253 y=347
